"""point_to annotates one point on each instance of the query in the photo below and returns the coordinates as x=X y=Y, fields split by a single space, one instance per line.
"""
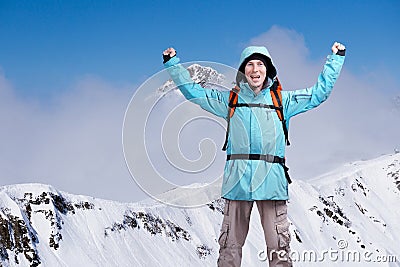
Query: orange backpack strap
x=233 y=99
x=276 y=96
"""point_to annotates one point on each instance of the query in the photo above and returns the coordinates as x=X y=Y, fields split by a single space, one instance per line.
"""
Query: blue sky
x=47 y=45
x=68 y=70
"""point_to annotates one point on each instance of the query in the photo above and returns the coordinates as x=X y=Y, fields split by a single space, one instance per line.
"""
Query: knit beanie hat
x=255 y=56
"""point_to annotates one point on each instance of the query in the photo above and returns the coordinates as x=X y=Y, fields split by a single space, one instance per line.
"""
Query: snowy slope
x=354 y=207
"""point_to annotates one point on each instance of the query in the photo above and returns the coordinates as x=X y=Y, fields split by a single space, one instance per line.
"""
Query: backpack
x=276 y=96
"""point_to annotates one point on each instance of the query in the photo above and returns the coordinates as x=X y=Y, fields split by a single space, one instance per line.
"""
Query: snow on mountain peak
x=207 y=77
x=355 y=206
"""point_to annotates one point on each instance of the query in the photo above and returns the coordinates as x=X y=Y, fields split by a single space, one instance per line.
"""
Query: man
x=256 y=137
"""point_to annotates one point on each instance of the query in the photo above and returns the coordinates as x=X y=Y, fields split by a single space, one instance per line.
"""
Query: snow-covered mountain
x=347 y=215
x=207 y=77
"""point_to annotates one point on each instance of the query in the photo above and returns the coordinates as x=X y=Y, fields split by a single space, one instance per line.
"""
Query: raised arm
x=211 y=100
x=299 y=101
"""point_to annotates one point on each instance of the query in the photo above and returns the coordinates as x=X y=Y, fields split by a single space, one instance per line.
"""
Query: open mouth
x=255 y=78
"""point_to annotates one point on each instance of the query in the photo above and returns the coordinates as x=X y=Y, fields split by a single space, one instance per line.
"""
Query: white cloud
x=73 y=144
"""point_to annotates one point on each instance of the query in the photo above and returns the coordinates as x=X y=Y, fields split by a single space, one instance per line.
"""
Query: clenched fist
x=168 y=54
x=338 y=48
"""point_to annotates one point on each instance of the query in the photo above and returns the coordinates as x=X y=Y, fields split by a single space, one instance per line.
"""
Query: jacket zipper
x=301 y=96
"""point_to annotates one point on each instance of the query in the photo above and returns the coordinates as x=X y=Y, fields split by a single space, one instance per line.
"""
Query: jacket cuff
x=341 y=52
x=173 y=61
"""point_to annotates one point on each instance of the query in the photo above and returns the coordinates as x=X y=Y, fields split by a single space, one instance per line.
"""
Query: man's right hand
x=168 y=54
x=338 y=49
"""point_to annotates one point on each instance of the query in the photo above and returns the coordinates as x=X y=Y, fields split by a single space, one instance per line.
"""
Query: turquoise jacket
x=255 y=130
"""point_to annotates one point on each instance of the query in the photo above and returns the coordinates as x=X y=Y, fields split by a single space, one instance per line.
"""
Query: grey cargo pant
x=235 y=227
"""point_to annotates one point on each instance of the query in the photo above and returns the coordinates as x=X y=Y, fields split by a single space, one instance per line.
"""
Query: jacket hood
x=247 y=52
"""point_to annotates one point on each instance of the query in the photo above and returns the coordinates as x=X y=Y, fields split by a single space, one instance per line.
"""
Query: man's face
x=255 y=72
